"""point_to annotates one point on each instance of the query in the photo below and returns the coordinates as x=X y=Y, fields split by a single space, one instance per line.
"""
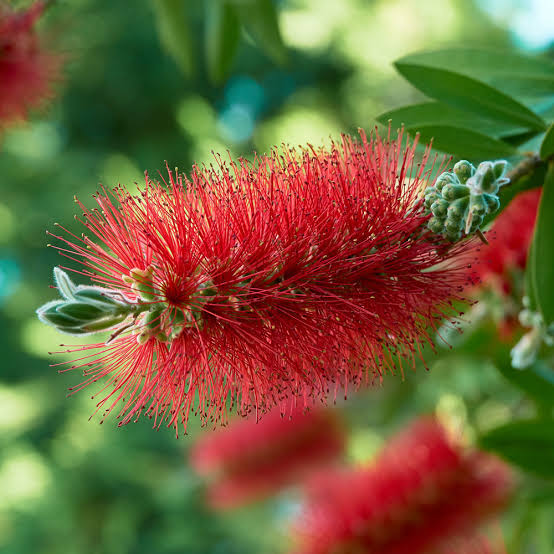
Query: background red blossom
x=28 y=68
x=422 y=492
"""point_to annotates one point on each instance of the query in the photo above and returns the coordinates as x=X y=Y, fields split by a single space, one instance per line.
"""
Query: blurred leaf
x=259 y=18
x=437 y=113
x=464 y=142
x=529 y=285
x=528 y=444
x=222 y=38
x=521 y=138
x=514 y=74
x=174 y=32
x=537 y=381
x=469 y=94
x=547 y=145
x=542 y=266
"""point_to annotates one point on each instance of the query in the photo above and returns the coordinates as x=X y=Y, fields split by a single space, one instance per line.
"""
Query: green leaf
x=528 y=444
x=542 y=266
x=537 y=381
x=259 y=18
x=483 y=63
x=529 y=285
x=437 y=113
x=174 y=31
x=469 y=94
x=463 y=142
x=80 y=311
x=222 y=38
x=514 y=74
x=547 y=145
x=64 y=284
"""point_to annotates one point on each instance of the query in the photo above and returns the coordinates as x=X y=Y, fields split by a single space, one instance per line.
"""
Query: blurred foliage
x=69 y=485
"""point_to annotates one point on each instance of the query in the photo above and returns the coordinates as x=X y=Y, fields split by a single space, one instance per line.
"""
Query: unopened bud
x=464 y=170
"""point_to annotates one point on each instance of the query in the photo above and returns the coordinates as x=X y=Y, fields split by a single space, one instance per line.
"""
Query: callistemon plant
x=28 y=68
x=250 y=459
x=249 y=283
x=424 y=494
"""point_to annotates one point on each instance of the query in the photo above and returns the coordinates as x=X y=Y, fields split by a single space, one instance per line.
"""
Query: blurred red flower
x=509 y=239
x=250 y=458
x=301 y=272
x=27 y=68
x=423 y=495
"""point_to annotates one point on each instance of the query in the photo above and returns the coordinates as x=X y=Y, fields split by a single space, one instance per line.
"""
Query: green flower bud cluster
x=460 y=199
x=89 y=309
x=84 y=309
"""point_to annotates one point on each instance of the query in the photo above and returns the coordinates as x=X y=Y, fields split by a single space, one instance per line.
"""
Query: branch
x=524 y=168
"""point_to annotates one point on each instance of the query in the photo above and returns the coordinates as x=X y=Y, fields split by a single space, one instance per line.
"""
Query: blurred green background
x=69 y=485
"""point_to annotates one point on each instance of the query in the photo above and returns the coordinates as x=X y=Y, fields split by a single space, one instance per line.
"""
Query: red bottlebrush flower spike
x=510 y=237
x=423 y=495
x=251 y=459
x=27 y=69
x=251 y=283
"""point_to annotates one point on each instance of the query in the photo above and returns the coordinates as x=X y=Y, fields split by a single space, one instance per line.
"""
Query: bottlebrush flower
x=27 y=68
x=249 y=283
x=423 y=495
x=510 y=237
x=251 y=459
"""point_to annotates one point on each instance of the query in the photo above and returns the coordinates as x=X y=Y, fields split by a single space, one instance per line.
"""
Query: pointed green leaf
x=437 y=113
x=97 y=296
x=547 y=145
x=543 y=252
x=50 y=315
x=222 y=37
x=464 y=142
x=483 y=63
x=514 y=74
x=104 y=323
x=64 y=284
x=174 y=31
x=468 y=94
x=259 y=18
x=80 y=311
x=528 y=444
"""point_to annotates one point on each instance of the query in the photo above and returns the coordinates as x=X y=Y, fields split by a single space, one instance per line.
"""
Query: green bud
x=453 y=236
x=436 y=225
x=464 y=170
x=475 y=223
x=492 y=202
x=499 y=168
x=446 y=178
x=142 y=283
x=478 y=205
x=452 y=192
x=439 y=207
x=152 y=320
x=431 y=195
x=458 y=208
x=487 y=178
x=453 y=226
